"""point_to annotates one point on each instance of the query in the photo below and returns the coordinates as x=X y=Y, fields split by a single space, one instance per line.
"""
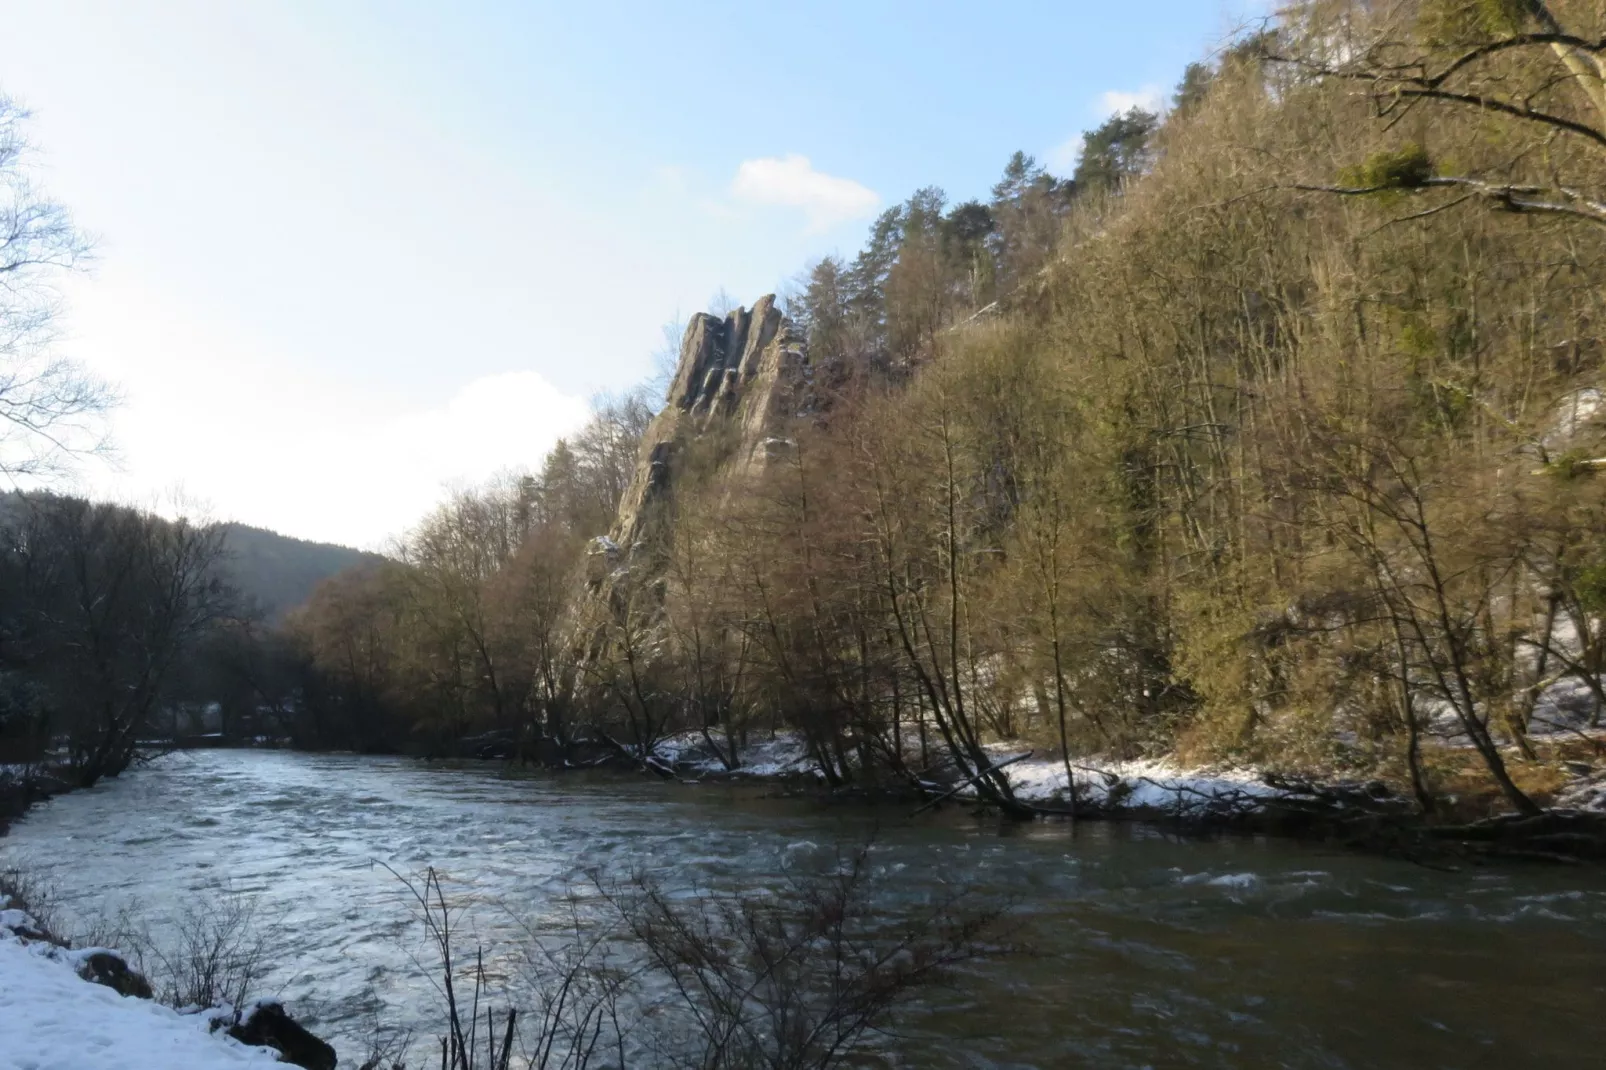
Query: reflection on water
x=1144 y=949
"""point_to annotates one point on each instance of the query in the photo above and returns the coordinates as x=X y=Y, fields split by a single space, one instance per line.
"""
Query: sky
x=350 y=255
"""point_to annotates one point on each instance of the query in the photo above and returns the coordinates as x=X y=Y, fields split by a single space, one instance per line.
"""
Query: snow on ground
x=1148 y=784
x=1565 y=708
x=1571 y=415
x=1585 y=793
x=1145 y=784
x=53 y=1019
x=782 y=755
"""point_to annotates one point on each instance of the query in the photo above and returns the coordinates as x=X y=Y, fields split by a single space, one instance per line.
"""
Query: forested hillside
x=272 y=573
x=277 y=573
x=1267 y=437
x=118 y=626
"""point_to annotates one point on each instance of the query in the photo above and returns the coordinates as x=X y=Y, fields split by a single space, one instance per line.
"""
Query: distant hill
x=279 y=572
x=276 y=572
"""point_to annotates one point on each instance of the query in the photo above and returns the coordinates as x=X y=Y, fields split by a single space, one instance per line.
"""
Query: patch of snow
x=1572 y=414
x=782 y=755
x=16 y=919
x=55 y=1020
x=250 y=1010
x=1144 y=784
x=1563 y=708
x=1148 y=784
x=1585 y=793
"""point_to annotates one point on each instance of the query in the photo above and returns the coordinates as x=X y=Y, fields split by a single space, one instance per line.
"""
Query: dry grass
x=1460 y=775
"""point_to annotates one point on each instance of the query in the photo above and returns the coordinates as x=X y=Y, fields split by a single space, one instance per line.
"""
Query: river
x=1145 y=949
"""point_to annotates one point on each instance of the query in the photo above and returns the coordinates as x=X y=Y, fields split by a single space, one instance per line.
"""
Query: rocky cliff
x=739 y=383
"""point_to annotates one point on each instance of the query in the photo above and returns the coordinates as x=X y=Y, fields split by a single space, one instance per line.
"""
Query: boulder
x=112 y=970
x=268 y=1025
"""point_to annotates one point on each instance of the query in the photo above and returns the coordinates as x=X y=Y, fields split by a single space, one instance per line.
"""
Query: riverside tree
x=106 y=604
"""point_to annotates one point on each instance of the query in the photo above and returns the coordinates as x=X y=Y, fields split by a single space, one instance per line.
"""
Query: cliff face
x=740 y=380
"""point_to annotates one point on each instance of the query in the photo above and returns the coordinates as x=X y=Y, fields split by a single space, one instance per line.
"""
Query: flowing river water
x=1142 y=948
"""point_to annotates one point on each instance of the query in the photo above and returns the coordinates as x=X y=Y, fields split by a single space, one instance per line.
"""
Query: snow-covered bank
x=53 y=1016
x=1145 y=786
x=781 y=755
x=1149 y=787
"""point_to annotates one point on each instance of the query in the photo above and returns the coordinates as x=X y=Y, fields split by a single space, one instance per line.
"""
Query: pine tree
x=1115 y=152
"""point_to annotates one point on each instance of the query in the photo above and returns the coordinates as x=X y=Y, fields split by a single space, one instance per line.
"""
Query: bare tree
x=115 y=599
x=573 y=988
x=50 y=408
x=666 y=357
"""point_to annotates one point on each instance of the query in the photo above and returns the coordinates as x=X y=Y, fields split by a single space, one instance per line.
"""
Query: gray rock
x=739 y=387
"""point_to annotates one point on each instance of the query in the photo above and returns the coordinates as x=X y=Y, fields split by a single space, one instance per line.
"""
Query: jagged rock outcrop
x=739 y=384
x=742 y=377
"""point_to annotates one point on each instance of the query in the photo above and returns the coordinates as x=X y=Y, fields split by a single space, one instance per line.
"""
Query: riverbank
x=1367 y=815
x=78 y=1008
x=22 y=786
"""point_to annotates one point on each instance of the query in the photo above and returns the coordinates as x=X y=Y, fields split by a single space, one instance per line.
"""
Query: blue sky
x=352 y=253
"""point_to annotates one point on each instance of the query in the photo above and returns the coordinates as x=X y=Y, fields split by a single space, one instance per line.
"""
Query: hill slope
x=279 y=572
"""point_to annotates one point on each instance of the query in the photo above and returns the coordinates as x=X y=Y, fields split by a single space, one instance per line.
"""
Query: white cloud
x=1063 y=158
x=1150 y=97
x=491 y=423
x=791 y=181
x=266 y=440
